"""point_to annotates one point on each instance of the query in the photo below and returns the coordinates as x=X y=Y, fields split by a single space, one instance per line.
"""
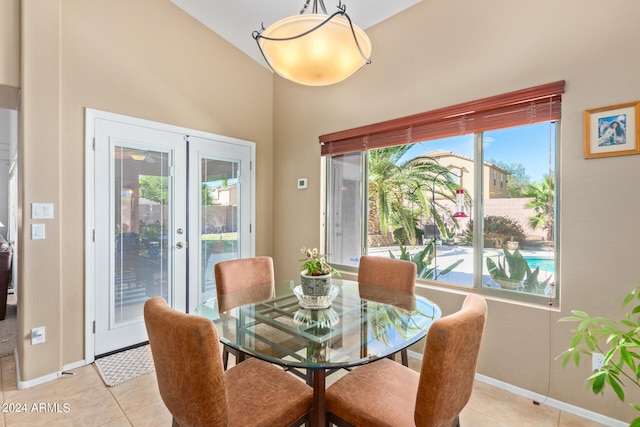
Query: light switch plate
x=37 y=231
x=42 y=210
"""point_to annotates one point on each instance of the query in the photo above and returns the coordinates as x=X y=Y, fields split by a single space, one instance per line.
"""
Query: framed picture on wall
x=612 y=131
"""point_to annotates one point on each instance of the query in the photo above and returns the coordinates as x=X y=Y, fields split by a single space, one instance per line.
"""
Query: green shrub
x=400 y=235
x=497 y=231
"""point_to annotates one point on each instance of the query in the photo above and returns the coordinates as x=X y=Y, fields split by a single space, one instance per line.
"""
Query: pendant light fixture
x=315 y=49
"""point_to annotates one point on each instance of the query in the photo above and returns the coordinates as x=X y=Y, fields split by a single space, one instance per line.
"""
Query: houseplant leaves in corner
x=619 y=341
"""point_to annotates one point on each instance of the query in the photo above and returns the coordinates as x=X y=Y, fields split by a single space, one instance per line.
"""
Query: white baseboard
x=576 y=410
x=74 y=365
x=544 y=400
x=44 y=379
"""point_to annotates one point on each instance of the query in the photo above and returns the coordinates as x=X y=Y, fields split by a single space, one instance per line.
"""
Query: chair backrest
x=449 y=364
x=239 y=274
x=188 y=364
x=396 y=274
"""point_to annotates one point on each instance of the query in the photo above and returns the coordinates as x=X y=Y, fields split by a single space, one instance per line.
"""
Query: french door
x=163 y=207
x=220 y=184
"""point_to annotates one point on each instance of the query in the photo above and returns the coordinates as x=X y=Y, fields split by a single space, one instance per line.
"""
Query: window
x=346 y=215
x=421 y=200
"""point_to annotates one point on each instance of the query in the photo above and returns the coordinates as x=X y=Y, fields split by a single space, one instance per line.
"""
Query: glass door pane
x=219 y=218
x=140 y=230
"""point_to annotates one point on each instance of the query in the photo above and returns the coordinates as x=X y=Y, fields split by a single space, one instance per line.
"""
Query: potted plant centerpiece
x=315 y=275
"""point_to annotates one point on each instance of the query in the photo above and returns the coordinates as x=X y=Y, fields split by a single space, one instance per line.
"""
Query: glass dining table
x=358 y=324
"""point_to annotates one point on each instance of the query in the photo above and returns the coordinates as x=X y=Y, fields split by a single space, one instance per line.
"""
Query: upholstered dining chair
x=198 y=392
x=385 y=393
x=244 y=274
x=393 y=274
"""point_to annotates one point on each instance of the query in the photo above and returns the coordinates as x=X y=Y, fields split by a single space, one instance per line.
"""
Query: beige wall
x=10 y=53
x=143 y=58
x=10 y=42
x=440 y=53
x=150 y=60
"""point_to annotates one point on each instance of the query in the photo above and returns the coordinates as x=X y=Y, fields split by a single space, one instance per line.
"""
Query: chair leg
x=225 y=358
x=404 y=356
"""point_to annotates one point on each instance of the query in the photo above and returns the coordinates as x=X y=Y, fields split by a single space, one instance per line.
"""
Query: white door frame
x=91 y=115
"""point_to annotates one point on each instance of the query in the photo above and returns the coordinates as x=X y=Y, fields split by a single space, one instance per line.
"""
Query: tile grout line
x=122 y=411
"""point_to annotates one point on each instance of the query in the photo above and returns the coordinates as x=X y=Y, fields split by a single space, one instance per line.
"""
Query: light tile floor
x=83 y=400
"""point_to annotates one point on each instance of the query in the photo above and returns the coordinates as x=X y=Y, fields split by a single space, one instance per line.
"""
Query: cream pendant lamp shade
x=315 y=49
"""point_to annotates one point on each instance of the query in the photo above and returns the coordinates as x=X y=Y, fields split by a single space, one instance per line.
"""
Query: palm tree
x=395 y=184
x=542 y=196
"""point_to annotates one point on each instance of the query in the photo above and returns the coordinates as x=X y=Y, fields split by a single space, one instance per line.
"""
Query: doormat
x=124 y=366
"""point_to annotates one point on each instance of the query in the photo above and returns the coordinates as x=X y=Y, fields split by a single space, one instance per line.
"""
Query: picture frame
x=612 y=131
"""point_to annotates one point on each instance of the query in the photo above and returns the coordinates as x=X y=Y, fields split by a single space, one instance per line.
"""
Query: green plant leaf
x=612 y=381
x=569 y=319
x=626 y=357
x=590 y=342
x=597 y=381
x=576 y=358
x=628 y=298
x=575 y=341
x=451 y=267
x=584 y=324
x=581 y=314
x=619 y=341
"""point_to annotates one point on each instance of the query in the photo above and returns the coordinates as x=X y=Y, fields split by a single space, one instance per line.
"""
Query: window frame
x=478 y=208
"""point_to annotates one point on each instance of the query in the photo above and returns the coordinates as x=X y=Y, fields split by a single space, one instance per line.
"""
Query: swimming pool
x=546 y=264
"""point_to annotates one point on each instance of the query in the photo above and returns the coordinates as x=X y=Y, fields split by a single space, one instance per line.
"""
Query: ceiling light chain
x=258 y=34
x=315 y=6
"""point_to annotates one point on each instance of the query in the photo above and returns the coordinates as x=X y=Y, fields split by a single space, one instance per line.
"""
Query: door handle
x=181 y=245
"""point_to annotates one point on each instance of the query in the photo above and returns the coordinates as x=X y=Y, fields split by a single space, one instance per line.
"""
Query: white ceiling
x=235 y=20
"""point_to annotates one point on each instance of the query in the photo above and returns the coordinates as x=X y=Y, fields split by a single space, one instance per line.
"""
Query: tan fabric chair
x=245 y=278
x=385 y=393
x=238 y=274
x=196 y=390
x=394 y=274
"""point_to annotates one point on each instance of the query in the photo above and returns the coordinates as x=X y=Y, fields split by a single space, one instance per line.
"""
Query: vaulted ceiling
x=235 y=20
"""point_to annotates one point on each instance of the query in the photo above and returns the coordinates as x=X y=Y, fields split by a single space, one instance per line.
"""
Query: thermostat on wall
x=302 y=183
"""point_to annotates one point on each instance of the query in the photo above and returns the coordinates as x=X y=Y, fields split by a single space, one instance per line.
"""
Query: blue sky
x=527 y=145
